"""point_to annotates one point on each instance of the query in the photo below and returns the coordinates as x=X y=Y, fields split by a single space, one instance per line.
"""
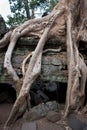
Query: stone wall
x=3 y=28
x=53 y=64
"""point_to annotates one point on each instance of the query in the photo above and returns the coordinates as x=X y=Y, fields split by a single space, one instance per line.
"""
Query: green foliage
x=52 y=4
x=39 y=3
x=25 y=9
x=15 y=20
x=18 y=11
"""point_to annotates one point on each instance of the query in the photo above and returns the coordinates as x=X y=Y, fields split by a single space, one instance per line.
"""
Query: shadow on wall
x=85 y=94
x=48 y=91
x=40 y=92
x=7 y=93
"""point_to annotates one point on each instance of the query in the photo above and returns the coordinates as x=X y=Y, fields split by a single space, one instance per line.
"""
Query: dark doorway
x=48 y=91
x=7 y=93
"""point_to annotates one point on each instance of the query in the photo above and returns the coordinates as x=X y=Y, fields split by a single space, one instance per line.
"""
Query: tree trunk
x=67 y=21
x=27 y=9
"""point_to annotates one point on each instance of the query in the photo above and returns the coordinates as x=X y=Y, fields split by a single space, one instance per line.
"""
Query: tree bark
x=67 y=21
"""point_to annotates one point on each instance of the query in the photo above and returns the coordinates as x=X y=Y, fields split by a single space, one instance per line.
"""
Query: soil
x=5 y=109
x=72 y=123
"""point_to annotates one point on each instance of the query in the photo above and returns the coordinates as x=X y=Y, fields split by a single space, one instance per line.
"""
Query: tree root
x=32 y=73
x=7 y=61
x=31 y=53
x=77 y=74
x=5 y=40
x=50 y=26
x=71 y=65
x=29 y=28
x=24 y=63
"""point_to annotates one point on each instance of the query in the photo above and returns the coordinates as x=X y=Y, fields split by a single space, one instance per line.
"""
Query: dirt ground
x=74 y=122
x=21 y=124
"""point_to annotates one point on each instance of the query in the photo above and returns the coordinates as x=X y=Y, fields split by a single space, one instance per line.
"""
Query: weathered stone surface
x=53 y=116
x=41 y=110
x=46 y=125
x=29 y=126
x=85 y=128
x=53 y=64
x=32 y=41
x=51 y=127
x=54 y=67
x=2 y=26
x=75 y=123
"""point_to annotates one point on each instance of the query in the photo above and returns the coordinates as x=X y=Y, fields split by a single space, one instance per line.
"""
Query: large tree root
x=32 y=73
x=31 y=53
x=7 y=63
x=26 y=29
x=6 y=39
x=77 y=73
x=62 y=23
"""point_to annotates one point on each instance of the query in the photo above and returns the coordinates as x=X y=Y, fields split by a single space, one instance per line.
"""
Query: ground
x=44 y=123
